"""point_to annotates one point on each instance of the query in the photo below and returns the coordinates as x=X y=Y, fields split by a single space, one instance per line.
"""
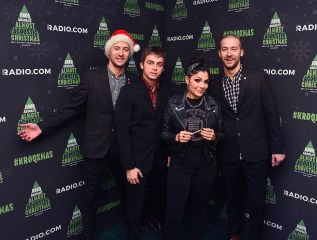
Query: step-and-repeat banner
x=45 y=46
x=278 y=37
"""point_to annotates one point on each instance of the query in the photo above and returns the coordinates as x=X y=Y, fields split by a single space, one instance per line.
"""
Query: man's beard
x=235 y=64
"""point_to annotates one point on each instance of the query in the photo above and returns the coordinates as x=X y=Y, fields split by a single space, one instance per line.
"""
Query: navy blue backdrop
x=46 y=45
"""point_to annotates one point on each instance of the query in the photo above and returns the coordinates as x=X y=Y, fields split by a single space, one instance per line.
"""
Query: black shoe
x=155 y=224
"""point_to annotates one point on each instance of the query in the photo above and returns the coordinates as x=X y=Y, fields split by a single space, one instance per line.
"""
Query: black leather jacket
x=174 y=122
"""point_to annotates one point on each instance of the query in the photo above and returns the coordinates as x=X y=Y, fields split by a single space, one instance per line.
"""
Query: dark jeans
x=94 y=170
x=191 y=177
x=254 y=175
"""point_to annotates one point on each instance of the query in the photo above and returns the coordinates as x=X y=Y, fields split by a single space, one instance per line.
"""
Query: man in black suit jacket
x=139 y=111
x=97 y=93
x=253 y=136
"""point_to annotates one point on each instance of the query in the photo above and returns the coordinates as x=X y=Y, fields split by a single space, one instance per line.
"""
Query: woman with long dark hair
x=192 y=127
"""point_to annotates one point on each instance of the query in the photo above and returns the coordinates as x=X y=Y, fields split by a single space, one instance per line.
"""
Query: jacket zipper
x=179 y=119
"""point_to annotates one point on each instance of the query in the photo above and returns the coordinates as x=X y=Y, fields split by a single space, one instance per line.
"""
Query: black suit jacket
x=254 y=131
x=139 y=126
x=93 y=94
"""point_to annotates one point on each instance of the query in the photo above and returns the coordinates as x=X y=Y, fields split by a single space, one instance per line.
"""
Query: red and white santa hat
x=121 y=35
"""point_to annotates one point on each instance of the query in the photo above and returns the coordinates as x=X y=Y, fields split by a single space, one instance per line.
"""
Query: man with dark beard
x=253 y=136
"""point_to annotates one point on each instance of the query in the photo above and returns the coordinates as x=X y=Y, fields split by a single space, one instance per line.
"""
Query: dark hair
x=157 y=51
x=196 y=64
x=233 y=36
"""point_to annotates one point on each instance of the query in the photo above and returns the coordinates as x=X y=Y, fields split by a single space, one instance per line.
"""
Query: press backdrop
x=45 y=46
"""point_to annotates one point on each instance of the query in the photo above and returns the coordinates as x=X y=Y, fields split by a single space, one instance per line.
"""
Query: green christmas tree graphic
x=102 y=34
x=178 y=73
x=29 y=115
x=24 y=30
x=38 y=202
x=132 y=8
x=275 y=35
x=72 y=154
x=300 y=232
x=206 y=40
x=309 y=81
x=76 y=223
x=307 y=162
x=68 y=77
x=270 y=194
x=155 y=38
x=179 y=11
x=132 y=66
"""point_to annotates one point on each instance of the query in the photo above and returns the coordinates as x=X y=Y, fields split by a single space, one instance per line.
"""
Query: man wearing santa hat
x=97 y=93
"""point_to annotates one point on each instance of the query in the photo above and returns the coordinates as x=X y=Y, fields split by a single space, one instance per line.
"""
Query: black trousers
x=157 y=193
x=94 y=170
x=190 y=179
x=254 y=176
x=135 y=195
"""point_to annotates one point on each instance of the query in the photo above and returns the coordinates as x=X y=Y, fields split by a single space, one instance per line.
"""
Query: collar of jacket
x=179 y=101
x=178 y=106
x=129 y=77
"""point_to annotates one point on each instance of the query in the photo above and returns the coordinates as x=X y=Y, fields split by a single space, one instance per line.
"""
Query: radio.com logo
x=307 y=27
x=273 y=225
x=280 y=72
x=45 y=233
x=59 y=28
x=70 y=187
x=180 y=38
x=26 y=71
x=300 y=197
